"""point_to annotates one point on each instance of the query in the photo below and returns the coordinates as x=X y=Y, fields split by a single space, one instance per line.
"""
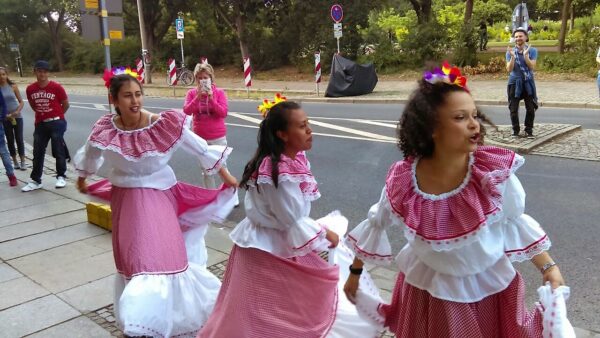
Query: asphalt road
x=354 y=147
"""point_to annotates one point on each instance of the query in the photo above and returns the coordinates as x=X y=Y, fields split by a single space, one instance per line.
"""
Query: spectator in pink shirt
x=208 y=106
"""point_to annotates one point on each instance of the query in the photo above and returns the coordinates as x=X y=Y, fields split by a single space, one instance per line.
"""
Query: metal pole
x=338 y=44
x=317 y=89
x=145 y=51
x=19 y=63
x=105 y=37
x=181 y=44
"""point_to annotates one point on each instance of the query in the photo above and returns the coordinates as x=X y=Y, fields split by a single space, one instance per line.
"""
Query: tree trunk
x=563 y=25
x=423 y=10
x=56 y=39
x=468 y=10
x=240 y=29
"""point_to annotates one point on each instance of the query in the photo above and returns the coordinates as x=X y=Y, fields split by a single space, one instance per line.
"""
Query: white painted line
x=321 y=134
x=100 y=106
x=245 y=118
x=375 y=123
x=353 y=131
x=90 y=108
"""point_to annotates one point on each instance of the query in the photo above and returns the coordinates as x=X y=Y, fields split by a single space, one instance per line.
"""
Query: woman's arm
x=549 y=269
x=19 y=98
x=218 y=105
x=190 y=105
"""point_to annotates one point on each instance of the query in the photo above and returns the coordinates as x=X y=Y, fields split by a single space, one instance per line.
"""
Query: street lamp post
x=146 y=57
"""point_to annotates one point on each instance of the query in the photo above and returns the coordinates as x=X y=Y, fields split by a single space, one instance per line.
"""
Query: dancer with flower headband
x=276 y=285
x=162 y=287
x=460 y=206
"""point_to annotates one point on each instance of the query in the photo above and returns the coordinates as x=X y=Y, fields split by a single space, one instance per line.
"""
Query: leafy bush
x=465 y=49
x=573 y=62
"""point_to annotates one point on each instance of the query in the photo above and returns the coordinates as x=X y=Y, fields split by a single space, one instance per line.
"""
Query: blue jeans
x=6 y=160
x=45 y=132
x=598 y=84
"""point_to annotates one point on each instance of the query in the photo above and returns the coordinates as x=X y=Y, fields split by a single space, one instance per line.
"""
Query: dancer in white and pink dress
x=461 y=207
x=276 y=285
x=162 y=288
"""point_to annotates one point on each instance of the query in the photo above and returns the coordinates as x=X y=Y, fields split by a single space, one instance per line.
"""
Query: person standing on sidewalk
x=10 y=171
x=483 y=36
x=520 y=63
x=49 y=101
x=461 y=210
x=598 y=61
x=13 y=124
x=162 y=288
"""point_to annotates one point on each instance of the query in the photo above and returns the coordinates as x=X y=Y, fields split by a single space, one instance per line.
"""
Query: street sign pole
x=105 y=37
x=180 y=31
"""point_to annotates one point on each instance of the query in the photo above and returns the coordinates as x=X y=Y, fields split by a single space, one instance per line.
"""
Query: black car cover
x=349 y=78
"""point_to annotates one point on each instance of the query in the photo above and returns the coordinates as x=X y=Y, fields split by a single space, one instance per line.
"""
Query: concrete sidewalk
x=56 y=269
x=567 y=94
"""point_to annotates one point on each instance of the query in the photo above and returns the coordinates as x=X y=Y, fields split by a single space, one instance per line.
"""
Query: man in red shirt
x=49 y=101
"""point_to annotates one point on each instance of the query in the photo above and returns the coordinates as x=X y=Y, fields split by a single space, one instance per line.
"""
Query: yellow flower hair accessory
x=266 y=106
x=447 y=74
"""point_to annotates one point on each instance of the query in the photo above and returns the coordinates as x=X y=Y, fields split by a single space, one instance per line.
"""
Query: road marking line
x=321 y=134
x=100 y=106
x=90 y=108
x=326 y=125
x=375 y=123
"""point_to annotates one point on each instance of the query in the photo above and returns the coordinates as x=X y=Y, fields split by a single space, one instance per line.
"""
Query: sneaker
x=12 y=180
x=16 y=164
x=515 y=135
x=33 y=185
x=23 y=165
x=60 y=182
x=530 y=136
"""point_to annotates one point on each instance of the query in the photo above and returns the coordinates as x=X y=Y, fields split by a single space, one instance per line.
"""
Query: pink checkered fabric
x=155 y=140
x=294 y=170
x=415 y=313
x=267 y=296
x=460 y=215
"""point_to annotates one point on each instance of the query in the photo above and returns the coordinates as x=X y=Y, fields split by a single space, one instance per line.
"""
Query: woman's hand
x=228 y=179
x=553 y=276
x=82 y=185
x=333 y=238
x=351 y=287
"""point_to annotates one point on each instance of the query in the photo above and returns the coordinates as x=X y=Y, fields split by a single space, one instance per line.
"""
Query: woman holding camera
x=208 y=106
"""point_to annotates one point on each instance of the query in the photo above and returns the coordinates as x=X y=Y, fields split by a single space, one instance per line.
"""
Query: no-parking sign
x=337 y=14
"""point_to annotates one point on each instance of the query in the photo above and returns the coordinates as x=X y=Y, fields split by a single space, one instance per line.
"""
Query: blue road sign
x=337 y=14
x=179 y=25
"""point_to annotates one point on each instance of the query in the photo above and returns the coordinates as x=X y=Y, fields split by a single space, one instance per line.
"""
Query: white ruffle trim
x=524 y=239
x=304 y=237
x=310 y=193
x=445 y=195
x=214 y=158
x=463 y=289
x=175 y=305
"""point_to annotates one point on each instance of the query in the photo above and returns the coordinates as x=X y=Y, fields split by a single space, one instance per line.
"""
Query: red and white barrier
x=317 y=67
x=247 y=72
x=172 y=72
x=140 y=70
x=203 y=60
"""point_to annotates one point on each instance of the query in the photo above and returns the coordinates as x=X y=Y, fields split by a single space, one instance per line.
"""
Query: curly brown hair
x=419 y=118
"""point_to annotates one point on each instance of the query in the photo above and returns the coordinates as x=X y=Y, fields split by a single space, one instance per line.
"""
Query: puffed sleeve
x=211 y=157
x=87 y=160
x=523 y=236
x=369 y=239
x=286 y=203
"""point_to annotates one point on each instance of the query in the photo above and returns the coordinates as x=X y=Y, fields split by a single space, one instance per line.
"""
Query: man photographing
x=520 y=63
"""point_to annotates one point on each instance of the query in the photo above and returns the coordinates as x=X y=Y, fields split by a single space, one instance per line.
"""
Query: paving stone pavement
x=581 y=144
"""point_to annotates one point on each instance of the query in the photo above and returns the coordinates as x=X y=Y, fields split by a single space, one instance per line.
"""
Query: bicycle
x=185 y=76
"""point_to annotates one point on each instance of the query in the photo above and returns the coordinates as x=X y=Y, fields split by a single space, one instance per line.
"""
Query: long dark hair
x=419 y=118
x=269 y=144
x=117 y=81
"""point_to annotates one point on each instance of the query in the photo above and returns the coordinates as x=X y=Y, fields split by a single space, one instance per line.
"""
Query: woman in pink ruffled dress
x=460 y=207
x=276 y=285
x=162 y=287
